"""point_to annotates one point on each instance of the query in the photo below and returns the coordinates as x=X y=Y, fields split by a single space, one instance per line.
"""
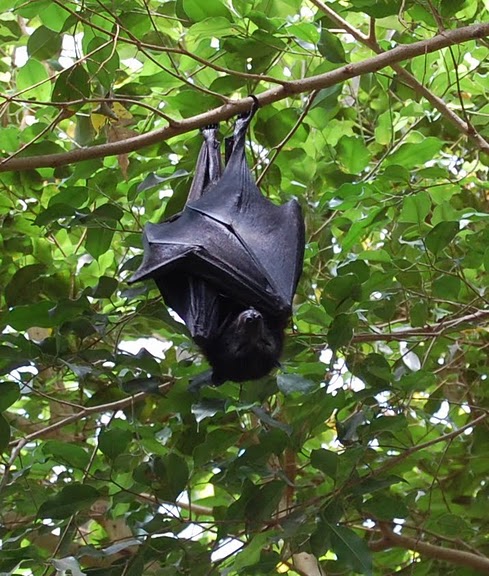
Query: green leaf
x=75 y=196
x=114 y=442
x=420 y=380
x=67 y=453
x=197 y=10
x=24 y=285
x=53 y=213
x=104 y=213
x=9 y=138
x=66 y=310
x=385 y=507
x=331 y=48
x=33 y=80
x=353 y=154
x=326 y=461
x=357 y=268
x=251 y=555
x=377 y=8
x=414 y=154
x=105 y=288
x=4 y=434
x=340 y=332
x=447 y=287
x=103 y=62
x=450 y=525
x=351 y=549
x=419 y=314
x=23 y=317
x=167 y=476
x=72 y=84
x=343 y=287
x=441 y=235
x=256 y=503
x=211 y=28
x=374 y=370
x=305 y=31
x=415 y=208
x=9 y=393
x=53 y=16
x=44 y=43
x=98 y=241
x=68 y=501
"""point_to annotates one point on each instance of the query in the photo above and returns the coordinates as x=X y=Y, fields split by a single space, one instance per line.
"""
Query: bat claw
x=248 y=115
x=213 y=127
x=256 y=102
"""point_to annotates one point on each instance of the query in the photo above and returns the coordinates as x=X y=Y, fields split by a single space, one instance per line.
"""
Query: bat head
x=247 y=348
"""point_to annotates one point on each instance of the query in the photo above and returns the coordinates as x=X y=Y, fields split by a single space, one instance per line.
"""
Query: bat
x=229 y=263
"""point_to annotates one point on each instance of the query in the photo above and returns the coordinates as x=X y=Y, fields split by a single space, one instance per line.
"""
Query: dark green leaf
x=72 y=84
x=114 y=442
x=4 y=434
x=67 y=454
x=340 y=332
x=105 y=288
x=23 y=317
x=385 y=507
x=441 y=235
x=44 y=43
x=9 y=393
x=330 y=47
x=326 y=461
x=98 y=241
x=68 y=501
x=351 y=549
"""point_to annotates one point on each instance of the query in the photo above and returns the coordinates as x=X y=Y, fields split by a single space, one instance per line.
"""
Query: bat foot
x=213 y=127
x=248 y=115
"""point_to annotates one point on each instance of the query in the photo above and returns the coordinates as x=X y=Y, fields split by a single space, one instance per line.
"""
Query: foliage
x=371 y=442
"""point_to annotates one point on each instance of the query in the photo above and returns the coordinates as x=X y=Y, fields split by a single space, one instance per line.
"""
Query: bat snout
x=250 y=323
x=250 y=316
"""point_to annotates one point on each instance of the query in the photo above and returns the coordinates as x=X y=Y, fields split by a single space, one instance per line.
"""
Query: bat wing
x=246 y=247
x=268 y=240
x=199 y=245
x=194 y=300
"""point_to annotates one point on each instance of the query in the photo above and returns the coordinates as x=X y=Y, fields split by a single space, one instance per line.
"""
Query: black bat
x=229 y=263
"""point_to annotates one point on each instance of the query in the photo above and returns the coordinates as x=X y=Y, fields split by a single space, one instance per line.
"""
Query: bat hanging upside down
x=229 y=263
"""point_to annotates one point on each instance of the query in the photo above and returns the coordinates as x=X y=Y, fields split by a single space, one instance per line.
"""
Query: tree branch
x=459 y=557
x=274 y=94
x=85 y=412
x=407 y=77
x=429 y=331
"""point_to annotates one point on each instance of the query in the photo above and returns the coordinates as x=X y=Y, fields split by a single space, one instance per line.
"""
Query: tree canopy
x=367 y=452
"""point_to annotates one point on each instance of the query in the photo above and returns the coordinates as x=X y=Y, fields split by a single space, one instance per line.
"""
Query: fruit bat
x=229 y=263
